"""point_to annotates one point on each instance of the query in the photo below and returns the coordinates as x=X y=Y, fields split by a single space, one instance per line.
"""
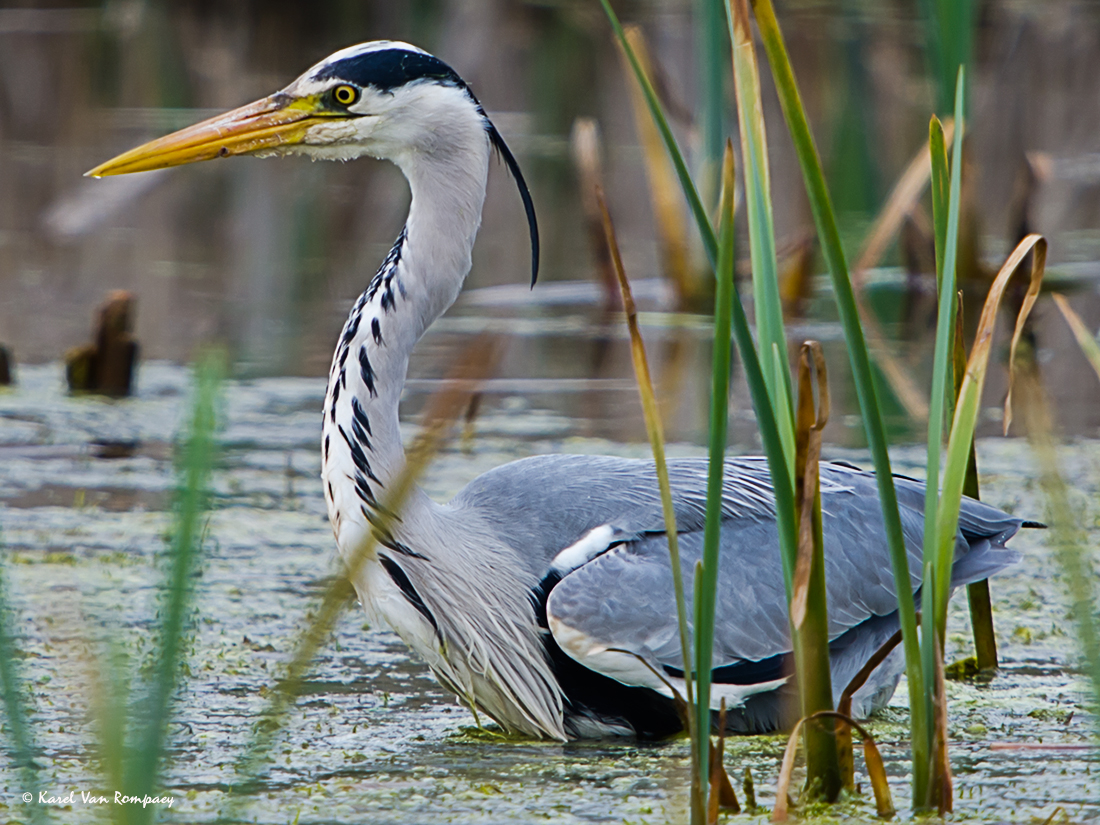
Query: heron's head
x=381 y=99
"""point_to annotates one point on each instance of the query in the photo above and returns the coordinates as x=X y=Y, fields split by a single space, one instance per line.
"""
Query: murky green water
x=266 y=257
x=374 y=739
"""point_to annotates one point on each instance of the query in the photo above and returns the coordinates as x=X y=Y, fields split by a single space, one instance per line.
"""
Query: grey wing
x=544 y=504
x=596 y=522
x=616 y=615
x=624 y=599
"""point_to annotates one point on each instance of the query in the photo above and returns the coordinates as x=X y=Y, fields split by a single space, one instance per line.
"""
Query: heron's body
x=542 y=593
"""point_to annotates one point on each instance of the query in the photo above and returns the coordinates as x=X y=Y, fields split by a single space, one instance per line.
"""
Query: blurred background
x=267 y=256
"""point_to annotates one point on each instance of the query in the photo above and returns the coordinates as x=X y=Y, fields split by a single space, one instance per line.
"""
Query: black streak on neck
x=402 y=581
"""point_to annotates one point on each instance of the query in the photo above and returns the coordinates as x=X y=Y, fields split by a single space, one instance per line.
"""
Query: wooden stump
x=106 y=366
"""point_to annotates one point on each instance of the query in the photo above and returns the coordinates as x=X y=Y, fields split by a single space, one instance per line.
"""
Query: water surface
x=373 y=738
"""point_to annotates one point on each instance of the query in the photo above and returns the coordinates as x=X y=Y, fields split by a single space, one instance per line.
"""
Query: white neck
x=403 y=299
x=482 y=643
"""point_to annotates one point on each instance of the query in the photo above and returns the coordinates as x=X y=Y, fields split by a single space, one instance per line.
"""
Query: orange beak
x=264 y=125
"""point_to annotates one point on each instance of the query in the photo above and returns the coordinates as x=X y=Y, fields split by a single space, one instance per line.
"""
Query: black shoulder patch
x=540 y=594
x=389 y=69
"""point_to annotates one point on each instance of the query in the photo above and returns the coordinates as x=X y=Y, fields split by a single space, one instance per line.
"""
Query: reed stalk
x=655 y=431
x=14 y=692
x=707 y=576
x=870 y=409
x=809 y=618
x=1068 y=533
x=977 y=593
x=194 y=466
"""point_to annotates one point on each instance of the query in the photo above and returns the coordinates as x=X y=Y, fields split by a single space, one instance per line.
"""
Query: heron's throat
x=419 y=279
x=448 y=192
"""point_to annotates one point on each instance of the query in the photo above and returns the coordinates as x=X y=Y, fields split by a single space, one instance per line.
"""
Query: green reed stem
x=13 y=689
x=833 y=252
x=943 y=367
x=767 y=303
x=742 y=335
x=707 y=589
x=196 y=461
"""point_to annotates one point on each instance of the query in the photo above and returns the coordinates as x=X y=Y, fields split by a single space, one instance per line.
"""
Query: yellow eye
x=345 y=95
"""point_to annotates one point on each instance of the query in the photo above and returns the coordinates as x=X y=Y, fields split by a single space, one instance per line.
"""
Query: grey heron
x=542 y=593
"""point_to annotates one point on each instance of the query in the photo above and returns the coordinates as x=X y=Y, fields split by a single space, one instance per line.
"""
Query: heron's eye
x=345 y=95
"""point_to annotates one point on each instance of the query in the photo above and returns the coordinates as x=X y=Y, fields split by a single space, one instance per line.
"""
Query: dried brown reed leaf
x=664 y=186
x=1085 y=339
x=786 y=768
x=722 y=795
x=876 y=770
x=657 y=442
x=844 y=706
x=586 y=147
x=983 y=340
x=809 y=422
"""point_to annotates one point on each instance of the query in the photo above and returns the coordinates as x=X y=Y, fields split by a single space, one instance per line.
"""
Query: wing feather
x=623 y=599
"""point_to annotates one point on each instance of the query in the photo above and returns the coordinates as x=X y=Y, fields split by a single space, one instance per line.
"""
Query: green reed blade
x=719 y=423
x=192 y=501
x=1089 y=345
x=768 y=305
x=111 y=692
x=949 y=27
x=939 y=185
x=13 y=690
x=769 y=429
x=942 y=378
x=833 y=252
